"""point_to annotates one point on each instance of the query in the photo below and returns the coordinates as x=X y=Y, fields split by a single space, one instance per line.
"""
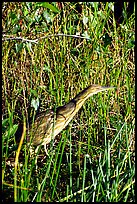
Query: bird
x=48 y=124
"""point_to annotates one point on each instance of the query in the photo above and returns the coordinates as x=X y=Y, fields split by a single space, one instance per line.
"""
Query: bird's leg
x=36 y=152
x=46 y=149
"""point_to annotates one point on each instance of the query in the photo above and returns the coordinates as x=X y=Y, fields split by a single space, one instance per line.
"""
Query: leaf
x=85 y=20
x=34 y=92
x=49 y=6
x=85 y=34
x=35 y=103
x=13 y=129
x=18 y=47
x=47 y=17
x=5 y=122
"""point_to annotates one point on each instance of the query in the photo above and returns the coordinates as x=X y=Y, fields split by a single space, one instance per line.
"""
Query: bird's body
x=49 y=124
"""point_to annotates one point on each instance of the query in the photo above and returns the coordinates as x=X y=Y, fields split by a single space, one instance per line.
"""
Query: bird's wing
x=66 y=110
x=63 y=114
x=40 y=128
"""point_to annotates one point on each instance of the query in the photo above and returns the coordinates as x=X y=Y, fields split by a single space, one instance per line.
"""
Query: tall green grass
x=93 y=158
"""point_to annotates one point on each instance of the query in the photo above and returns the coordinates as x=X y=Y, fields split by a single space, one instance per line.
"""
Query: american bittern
x=49 y=124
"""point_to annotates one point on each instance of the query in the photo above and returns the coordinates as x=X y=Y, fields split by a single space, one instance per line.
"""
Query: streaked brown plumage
x=49 y=124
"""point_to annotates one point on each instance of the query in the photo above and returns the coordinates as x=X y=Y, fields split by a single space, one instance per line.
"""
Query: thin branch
x=48 y=36
x=66 y=35
x=20 y=38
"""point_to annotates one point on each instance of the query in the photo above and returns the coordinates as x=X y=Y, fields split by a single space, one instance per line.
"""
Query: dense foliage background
x=50 y=52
